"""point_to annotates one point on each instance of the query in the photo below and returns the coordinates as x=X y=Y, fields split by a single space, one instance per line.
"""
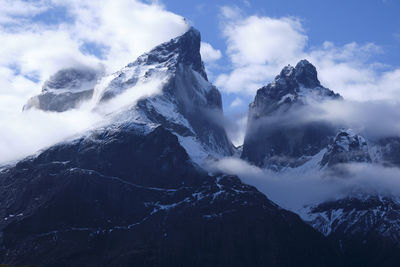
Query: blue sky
x=339 y=21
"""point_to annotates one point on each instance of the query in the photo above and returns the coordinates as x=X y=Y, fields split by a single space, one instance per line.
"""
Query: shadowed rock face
x=124 y=197
x=365 y=228
x=65 y=90
x=272 y=139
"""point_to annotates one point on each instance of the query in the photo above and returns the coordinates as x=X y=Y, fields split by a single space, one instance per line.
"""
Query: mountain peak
x=184 y=49
x=293 y=83
x=306 y=74
x=346 y=147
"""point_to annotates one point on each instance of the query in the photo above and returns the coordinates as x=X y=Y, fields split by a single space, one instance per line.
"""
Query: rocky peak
x=292 y=85
x=286 y=144
x=64 y=90
x=346 y=147
x=184 y=49
x=71 y=78
x=306 y=74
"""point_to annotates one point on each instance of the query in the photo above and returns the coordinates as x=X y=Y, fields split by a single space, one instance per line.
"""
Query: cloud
x=208 y=53
x=260 y=46
x=295 y=190
x=25 y=133
x=12 y=11
x=104 y=35
x=237 y=102
x=372 y=119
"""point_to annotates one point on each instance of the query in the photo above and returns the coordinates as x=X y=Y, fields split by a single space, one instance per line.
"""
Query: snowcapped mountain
x=364 y=226
x=132 y=192
x=279 y=143
x=167 y=86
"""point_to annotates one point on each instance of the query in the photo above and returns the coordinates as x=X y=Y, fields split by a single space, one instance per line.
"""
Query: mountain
x=276 y=141
x=132 y=192
x=65 y=90
x=346 y=147
x=177 y=95
x=363 y=225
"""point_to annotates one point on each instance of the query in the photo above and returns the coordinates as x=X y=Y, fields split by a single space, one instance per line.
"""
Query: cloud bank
x=293 y=191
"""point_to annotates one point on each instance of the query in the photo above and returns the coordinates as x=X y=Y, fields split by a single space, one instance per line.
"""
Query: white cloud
x=208 y=53
x=237 y=102
x=294 y=190
x=259 y=47
x=257 y=40
x=125 y=28
x=12 y=11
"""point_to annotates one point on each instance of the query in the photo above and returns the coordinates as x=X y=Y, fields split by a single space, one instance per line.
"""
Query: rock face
x=65 y=90
x=346 y=148
x=131 y=194
x=365 y=228
x=273 y=138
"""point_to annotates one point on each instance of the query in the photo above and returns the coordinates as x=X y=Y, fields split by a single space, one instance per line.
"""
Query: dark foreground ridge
x=99 y=201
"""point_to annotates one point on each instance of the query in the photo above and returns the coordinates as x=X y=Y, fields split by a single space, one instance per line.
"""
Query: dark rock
x=119 y=198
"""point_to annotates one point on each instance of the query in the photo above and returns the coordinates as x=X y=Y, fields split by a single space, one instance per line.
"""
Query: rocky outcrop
x=65 y=90
x=347 y=147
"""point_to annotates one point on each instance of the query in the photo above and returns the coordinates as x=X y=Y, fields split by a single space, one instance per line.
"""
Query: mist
x=372 y=119
x=24 y=133
x=293 y=191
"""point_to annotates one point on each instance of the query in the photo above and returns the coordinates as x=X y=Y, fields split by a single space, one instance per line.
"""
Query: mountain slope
x=101 y=195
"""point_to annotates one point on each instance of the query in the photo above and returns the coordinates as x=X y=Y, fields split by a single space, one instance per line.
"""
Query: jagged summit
x=70 y=78
x=184 y=49
x=286 y=143
x=292 y=85
x=306 y=74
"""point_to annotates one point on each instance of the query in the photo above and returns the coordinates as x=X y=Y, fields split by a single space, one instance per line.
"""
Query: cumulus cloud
x=104 y=35
x=260 y=46
x=208 y=53
x=236 y=102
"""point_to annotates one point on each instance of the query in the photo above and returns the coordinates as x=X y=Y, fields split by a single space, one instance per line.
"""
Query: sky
x=354 y=45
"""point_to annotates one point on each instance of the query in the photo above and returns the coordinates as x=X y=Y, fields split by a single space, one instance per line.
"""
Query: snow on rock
x=347 y=147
